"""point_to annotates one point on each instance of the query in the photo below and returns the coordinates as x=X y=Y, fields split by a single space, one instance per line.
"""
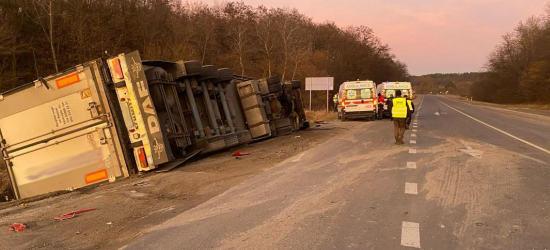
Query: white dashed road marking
x=411 y=188
x=411 y=164
x=412 y=151
x=414 y=130
x=410 y=234
x=413 y=135
x=413 y=142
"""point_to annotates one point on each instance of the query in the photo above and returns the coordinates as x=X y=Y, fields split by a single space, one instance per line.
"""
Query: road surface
x=468 y=177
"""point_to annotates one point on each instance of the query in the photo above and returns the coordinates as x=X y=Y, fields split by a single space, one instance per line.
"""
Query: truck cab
x=357 y=100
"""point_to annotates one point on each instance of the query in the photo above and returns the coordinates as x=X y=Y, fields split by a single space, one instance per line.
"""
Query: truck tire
x=275 y=88
x=208 y=72
x=273 y=80
x=224 y=75
x=296 y=84
x=193 y=68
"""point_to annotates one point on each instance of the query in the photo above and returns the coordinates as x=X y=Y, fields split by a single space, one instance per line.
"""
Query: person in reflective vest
x=335 y=100
x=399 y=113
x=410 y=106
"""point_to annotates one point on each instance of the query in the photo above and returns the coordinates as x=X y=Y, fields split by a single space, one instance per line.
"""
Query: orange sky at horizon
x=445 y=36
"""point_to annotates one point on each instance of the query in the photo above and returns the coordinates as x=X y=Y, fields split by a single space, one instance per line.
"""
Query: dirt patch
x=321 y=116
x=127 y=208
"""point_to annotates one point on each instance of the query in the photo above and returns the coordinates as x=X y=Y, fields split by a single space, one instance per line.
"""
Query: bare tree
x=41 y=12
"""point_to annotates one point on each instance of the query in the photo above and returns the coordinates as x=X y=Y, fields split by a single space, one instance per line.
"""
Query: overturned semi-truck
x=110 y=118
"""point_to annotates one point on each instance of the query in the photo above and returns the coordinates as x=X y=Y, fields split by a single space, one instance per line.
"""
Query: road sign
x=319 y=83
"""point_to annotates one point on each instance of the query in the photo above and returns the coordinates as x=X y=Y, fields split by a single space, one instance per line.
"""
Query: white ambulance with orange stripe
x=357 y=100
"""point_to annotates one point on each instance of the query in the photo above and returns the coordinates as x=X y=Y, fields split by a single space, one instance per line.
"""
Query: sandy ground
x=127 y=208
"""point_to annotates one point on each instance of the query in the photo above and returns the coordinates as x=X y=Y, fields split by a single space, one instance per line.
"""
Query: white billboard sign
x=320 y=83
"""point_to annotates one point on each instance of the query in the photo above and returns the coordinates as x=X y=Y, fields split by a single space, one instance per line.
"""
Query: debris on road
x=320 y=122
x=73 y=214
x=239 y=153
x=17 y=227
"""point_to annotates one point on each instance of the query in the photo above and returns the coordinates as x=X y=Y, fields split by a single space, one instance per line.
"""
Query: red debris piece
x=320 y=122
x=17 y=227
x=239 y=153
x=73 y=214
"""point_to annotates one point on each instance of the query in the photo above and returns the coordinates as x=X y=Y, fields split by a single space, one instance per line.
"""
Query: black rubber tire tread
x=208 y=72
x=224 y=75
x=193 y=67
x=296 y=84
x=274 y=88
x=273 y=80
x=285 y=131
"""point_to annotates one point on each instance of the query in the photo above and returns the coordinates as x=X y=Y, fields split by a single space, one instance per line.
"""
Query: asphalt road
x=476 y=178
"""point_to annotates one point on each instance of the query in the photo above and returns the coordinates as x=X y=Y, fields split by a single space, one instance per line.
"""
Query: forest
x=518 y=70
x=41 y=37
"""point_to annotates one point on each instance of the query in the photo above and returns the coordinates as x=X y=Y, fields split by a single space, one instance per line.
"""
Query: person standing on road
x=381 y=102
x=389 y=103
x=410 y=112
x=399 y=113
x=335 y=100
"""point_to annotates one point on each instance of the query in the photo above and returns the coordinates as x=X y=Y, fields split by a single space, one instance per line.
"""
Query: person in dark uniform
x=410 y=112
x=389 y=102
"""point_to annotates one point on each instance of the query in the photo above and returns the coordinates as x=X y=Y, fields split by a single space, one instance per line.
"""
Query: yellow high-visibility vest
x=335 y=98
x=409 y=103
x=399 y=109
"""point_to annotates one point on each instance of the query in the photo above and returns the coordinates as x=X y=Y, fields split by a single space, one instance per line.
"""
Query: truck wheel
x=208 y=72
x=296 y=84
x=192 y=67
x=274 y=88
x=273 y=80
x=224 y=75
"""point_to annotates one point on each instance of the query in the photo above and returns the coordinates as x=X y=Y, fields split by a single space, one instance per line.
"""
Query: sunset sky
x=430 y=36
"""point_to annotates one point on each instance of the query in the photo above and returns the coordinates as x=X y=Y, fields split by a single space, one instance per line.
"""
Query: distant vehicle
x=357 y=100
x=388 y=89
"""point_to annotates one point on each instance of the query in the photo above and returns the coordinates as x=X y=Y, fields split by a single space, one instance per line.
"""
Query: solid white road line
x=410 y=234
x=413 y=142
x=497 y=129
x=411 y=188
x=411 y=164
x=412 y=151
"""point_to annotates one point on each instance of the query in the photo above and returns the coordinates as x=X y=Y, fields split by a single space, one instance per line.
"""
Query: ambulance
x=388 y=89
x=357 y=100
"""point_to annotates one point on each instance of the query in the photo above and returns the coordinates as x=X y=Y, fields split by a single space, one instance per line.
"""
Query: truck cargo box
x=57 y=133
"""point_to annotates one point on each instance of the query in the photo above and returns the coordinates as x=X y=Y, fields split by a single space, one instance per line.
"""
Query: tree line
x=518 y=70
x=452 y=83
x=41 y=37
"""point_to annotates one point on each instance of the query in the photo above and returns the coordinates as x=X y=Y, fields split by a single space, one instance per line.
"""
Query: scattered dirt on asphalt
x=127 y=208
x=321 y=116
x=461 y=180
